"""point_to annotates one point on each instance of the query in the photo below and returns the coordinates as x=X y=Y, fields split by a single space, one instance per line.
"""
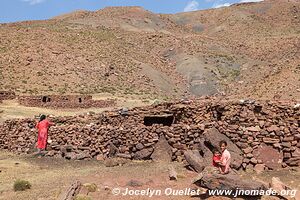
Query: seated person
x=224 y=165
x=216 y=158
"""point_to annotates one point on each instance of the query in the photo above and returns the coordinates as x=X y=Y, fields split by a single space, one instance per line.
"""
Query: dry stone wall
x=7 y=95
x=264 y=132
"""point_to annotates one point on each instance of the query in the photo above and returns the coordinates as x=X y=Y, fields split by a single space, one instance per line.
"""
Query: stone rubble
x=249 y=128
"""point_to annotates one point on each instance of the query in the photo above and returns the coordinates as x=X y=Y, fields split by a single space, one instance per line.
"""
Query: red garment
x=216 y=158
x=43 y=127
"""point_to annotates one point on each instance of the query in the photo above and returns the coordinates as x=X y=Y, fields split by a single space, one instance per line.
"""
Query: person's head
x=216 y=152
x=223 y=145
x=42 y=117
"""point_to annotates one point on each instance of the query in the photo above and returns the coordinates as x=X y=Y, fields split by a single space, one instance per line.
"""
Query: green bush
x=82 y=197
x=21 y=185
x=92 y=187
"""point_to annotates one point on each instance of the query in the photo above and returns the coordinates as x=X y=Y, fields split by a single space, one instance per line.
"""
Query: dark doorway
x=44 y=99
x=218 y=114
x=166 y=120
x=80 y=100
x=257 y=109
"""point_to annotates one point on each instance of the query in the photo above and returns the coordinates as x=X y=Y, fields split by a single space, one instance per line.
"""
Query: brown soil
x=243 y=50
x=11 y=108
x=49 y=177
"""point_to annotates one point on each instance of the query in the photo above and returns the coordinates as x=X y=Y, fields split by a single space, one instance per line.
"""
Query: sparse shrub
x=21 y=185
x=235 y=73
x=83 y=197
x=92 y=187
x=39 y=73
x=3 y=49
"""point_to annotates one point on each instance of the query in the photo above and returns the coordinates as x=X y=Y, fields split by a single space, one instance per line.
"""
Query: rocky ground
x=50 y=177
x=244 y=51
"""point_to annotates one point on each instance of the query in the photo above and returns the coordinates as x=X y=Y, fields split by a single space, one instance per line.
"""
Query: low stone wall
x=262 y=132
x=65 y=101
x=7 y=95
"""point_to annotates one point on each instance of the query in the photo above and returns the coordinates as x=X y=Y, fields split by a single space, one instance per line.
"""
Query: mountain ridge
x=245 y=50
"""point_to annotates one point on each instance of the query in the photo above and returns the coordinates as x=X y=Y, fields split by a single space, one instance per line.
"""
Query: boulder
x=228 y=182
x=195 y=160
x=286 y=144
x=112 y=162
x=271 y=140
x=71 y=192
x=242 y=145
x=277 y=185
x=273 y=128
x=253 y=160
x=66 y=149
x=113 y=150
x=269 y=156
x=247 y=150
x=259 y=168
x=250 y=168
x=253 y=129
x=139 y=146
x=213 y=137
x=205 y=152
x=100 y=157
x=288 y=139
x=123 y=155
x=293 y=161
x=134 y=183
x=50 y=153
x=70 y=156
x=82 y=155
x=143 y=154
x=162 y=151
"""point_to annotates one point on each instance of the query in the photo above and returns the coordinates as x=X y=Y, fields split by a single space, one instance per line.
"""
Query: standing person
x=225 y=158
x=42 y=126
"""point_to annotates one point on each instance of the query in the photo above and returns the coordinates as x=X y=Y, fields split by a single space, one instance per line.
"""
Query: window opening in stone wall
x=166 y=120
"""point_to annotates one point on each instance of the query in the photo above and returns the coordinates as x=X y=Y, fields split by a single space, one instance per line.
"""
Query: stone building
x=64 y=101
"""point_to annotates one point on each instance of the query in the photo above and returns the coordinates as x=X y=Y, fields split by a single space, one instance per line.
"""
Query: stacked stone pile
x=7 y=95
x=258 y=133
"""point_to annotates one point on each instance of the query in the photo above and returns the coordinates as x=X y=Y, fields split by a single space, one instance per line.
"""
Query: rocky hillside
x=249 y=49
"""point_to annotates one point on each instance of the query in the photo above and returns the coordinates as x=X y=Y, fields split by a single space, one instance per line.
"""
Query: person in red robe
x=43 y=127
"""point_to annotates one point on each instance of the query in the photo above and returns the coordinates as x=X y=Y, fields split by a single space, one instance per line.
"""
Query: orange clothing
x=43 y=127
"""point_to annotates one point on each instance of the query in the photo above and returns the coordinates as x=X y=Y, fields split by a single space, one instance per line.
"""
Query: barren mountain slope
x=247 y=49
x=267 y=34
